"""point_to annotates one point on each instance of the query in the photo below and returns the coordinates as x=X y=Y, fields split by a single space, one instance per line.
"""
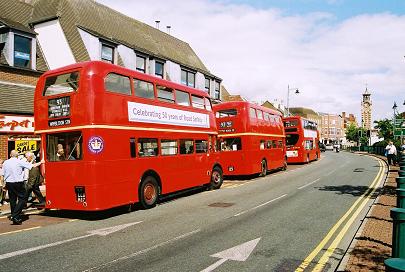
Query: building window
x=217 y=92
x=141 y=64
x=107 y=53
x=159 y=69
x=207 y=85
x=188 y=78
x=22 y=51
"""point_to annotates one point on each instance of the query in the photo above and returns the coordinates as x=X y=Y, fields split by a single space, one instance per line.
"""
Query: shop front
x=17 y=132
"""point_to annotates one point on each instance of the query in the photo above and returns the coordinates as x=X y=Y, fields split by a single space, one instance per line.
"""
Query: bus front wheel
x=216 y=178
x=263 y=166
x=148 y=192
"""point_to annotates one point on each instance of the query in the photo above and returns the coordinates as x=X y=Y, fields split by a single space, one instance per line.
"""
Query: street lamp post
x=288 y=97
x=394 y=107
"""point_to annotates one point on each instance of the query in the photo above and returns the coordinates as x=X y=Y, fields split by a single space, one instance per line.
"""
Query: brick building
x=38 y=35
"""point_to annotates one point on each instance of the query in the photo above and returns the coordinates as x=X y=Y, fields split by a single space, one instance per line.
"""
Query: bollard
x=401 y=199
x=398 y=233
x=400 y=182
x=394 y=265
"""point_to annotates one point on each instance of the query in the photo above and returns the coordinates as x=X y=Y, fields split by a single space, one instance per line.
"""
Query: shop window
x=64 y=146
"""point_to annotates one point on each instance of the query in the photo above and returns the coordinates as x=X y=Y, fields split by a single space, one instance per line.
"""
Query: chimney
x=157 y=24
x=168 y=29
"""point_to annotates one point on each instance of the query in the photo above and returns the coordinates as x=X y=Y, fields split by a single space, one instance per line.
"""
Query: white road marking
x=261 y=205
x=302 y=187
x=102 y=232
x=238 y=253
x=142 y=251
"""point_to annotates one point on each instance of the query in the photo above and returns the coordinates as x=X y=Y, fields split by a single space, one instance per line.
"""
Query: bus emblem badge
x=96 y=144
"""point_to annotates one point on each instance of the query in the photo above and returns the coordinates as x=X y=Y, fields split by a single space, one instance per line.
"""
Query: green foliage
x=352 y=133
x=385 y=128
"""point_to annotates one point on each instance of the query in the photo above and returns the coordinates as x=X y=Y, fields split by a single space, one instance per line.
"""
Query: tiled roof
x=304 y=112
x=15 y=25
x=16 y=98
x=16 y=15
x=115 y=26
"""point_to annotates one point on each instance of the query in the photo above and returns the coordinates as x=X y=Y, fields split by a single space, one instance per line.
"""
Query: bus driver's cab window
x=64 y=146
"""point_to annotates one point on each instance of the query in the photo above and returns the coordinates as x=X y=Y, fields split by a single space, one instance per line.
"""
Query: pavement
x=373 y=241
x=5 y=208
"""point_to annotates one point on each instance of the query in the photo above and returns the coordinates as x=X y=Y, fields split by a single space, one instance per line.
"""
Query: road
x=282 y=222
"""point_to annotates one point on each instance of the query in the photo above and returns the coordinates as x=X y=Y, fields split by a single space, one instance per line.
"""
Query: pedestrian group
x=20 y=177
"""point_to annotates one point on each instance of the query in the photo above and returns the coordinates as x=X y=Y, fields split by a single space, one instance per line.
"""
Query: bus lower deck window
x=64 y=146
x=147 y=147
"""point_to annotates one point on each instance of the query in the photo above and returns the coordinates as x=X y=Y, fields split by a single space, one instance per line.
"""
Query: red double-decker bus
x=302 y=138
x=112 y=136
x=251 y=138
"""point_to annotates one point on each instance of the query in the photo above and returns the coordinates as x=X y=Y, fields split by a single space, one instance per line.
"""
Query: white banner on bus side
x=310 y=133
x=145 y=113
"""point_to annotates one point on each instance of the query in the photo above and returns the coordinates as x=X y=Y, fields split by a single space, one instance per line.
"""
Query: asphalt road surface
x=302 y=219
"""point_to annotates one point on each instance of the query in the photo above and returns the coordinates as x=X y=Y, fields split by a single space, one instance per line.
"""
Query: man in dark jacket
x=34 y=180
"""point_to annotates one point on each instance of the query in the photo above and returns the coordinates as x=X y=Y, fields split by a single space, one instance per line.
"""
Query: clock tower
x=366 y=110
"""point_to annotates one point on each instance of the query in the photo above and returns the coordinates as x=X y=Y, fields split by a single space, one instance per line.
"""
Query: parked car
x=322 y=147
x=329 y=147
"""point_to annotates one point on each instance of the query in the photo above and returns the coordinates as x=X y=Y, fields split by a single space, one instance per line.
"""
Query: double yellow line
x=358 y=205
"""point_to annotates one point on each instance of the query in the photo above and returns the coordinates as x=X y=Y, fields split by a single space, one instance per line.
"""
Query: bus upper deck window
x=59 y=84
x=117 y=84
x=144 y=89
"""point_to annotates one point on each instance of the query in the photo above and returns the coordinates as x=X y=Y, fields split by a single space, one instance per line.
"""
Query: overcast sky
x=328 y=49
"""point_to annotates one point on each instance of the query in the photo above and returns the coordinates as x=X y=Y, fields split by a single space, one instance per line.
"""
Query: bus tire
x=148 y=192
x=217 y=178
x=263 y=168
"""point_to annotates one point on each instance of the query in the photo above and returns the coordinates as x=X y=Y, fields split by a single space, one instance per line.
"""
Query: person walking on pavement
x=391 y=153
x=33 y=181
x=14 y=178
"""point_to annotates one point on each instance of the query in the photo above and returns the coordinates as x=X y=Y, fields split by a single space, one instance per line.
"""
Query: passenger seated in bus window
x=190 y=150
x=60 y=153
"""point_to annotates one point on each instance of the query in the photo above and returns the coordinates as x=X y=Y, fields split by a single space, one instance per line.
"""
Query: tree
x=385 y=128
x=352 y=133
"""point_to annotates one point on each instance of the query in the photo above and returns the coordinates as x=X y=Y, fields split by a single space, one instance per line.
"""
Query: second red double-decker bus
x=112 y=136
x=302 y=139
x=251 y=138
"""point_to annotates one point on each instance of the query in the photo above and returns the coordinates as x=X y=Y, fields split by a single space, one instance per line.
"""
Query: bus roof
x=242 y=104
x=101 y=67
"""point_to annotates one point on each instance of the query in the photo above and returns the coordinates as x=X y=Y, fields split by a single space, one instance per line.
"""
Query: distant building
x=332 y=128
x=269 y=105
x=366 y=110
x=348 y=120
x=39 y=35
